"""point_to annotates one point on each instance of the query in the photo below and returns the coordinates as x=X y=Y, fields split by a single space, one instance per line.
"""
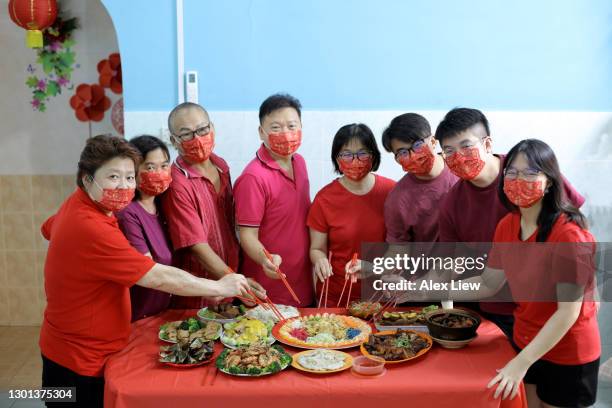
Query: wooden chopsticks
x=282 y=276
x=346 y=279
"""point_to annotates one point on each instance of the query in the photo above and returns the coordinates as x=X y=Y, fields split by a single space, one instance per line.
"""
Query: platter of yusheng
x=327 y=331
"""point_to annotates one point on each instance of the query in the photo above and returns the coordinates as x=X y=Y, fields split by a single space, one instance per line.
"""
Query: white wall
x=32 y=142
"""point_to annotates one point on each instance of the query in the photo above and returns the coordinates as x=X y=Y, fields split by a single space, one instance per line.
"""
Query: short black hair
x=408 y=128
x=181 y=107
x=147 y=143
x=279 y=101
x=355 y=131
x=459 y=120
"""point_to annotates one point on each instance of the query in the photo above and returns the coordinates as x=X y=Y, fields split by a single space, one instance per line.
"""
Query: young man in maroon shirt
x=471 y=209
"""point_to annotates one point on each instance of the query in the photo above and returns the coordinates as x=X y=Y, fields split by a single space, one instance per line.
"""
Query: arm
x=209 y=259
x=249 y=241
x=318 y=255
x=178 y=282
x=510 y=377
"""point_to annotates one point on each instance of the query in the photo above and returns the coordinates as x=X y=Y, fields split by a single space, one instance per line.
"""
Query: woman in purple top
x=144 y=225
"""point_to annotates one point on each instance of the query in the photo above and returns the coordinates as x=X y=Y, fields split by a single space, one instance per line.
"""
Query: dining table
x=440 y=378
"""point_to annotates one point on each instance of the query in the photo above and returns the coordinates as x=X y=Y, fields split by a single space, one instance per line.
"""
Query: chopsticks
x=353 y=279
x=325 y=285
x=282 y=276
x=268 y=305
x=346 y=278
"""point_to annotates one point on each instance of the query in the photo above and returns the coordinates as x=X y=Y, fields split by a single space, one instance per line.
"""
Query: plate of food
x=413 y=319
x=330 y=331
x=188 y=330
x=322 y=361
x=453 y=324
x=268 y=316
x=246 y=331
x=397 y=346
x=187 y=353
x=222 y=313
x=253 y=361
x=364 y=310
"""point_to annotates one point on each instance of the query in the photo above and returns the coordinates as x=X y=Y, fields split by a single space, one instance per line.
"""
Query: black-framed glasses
x=405 y=151
x=362 y=155
x=528 y=174
x=189 y=135
x=464 y=150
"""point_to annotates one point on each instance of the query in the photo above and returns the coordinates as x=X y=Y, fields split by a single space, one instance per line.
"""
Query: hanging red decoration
x=34 y=16
x=110 y=73
x=90 y=102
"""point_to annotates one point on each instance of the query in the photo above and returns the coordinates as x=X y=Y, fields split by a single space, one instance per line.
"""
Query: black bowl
x=439 y=331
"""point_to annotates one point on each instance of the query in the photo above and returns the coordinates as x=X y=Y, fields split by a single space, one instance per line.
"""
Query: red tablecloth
x=441 y=378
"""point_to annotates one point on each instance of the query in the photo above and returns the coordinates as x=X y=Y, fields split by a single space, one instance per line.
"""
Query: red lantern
x=34 y=16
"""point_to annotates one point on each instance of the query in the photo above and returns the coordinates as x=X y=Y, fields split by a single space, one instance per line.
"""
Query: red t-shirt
x=197 y=214
x=89 y=269
x=581 y=344
x=470 y=214
x=348 y=220
x=267 y=198
x=412 y=208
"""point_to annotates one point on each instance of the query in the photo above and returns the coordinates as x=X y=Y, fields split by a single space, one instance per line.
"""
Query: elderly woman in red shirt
x=90 y=267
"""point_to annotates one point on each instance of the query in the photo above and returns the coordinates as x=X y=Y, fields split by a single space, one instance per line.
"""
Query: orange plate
x=348 y=362
x=419 y=354
x=350 y=321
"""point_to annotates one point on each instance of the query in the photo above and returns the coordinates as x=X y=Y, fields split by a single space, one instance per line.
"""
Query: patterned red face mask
x=115 y=199
x=199 y=149
x=355 y=169
x=154 y=182
x=285 y=143
x=523 y=193
x=418 y=162
x=466 y=164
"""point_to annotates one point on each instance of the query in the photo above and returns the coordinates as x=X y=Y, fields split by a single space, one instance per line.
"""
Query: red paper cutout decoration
x=117 y=116
x=90 y=102
x=110 y=73
x=34 y=16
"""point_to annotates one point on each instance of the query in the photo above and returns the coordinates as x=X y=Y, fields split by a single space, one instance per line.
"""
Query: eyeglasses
x=405 y=151
x=527 y=174
x=465 y=150
x=347 y=157
x=189 y=135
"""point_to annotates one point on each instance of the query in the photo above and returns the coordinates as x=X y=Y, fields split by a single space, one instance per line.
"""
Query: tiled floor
x=20 y=363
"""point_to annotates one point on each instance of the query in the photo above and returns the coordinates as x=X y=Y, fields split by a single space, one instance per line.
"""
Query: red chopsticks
x=346 y=278
x=268 y=305
x=282 y=276
x=325 y=285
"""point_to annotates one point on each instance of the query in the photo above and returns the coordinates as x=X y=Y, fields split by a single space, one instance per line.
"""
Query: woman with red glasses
x=348 y=211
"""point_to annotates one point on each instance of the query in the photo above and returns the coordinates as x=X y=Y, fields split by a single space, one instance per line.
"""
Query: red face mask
x=199 y=149
x=356 y=169
x=466 y=166
x=418 y=162
x=285 y=143
x=154 y=182
x=523 y=193
x=115 y=199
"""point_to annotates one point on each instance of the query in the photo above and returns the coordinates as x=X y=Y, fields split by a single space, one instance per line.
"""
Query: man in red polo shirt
x=272 y=202
x=199 y=204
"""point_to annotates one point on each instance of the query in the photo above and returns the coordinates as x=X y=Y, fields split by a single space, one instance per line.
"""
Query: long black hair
x=541 y=157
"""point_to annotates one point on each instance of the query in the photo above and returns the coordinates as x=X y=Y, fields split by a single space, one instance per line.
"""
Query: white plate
x=208 y=319
x=219 y=333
